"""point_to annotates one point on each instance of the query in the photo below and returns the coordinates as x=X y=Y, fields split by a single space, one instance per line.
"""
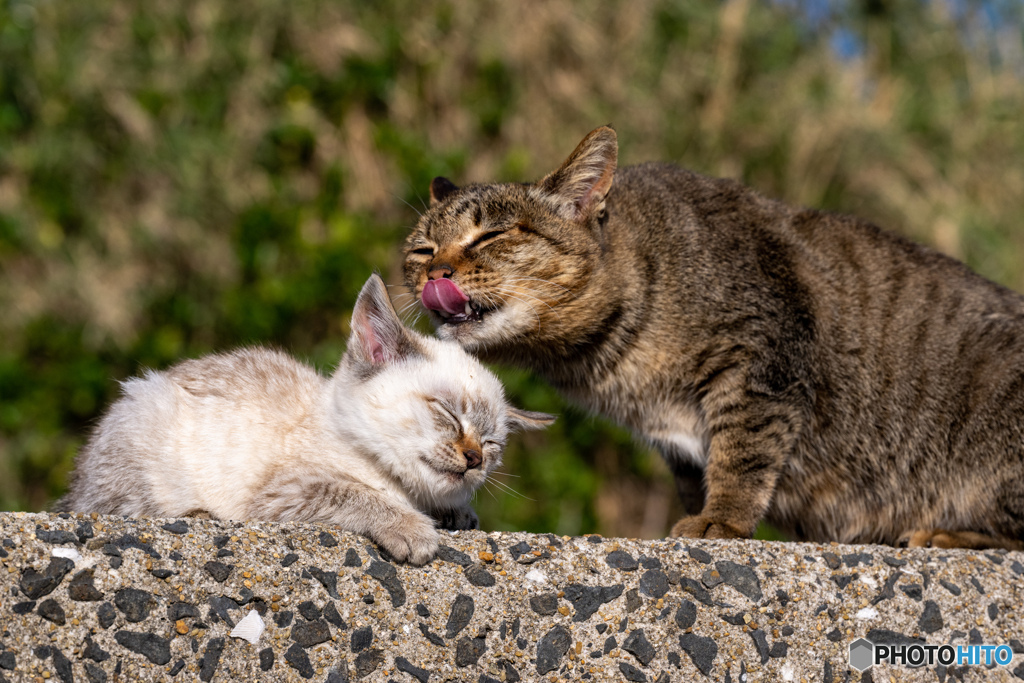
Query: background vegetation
x=179 y=176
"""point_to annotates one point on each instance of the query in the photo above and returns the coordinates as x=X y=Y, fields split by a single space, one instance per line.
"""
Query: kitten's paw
x=699 y=526
x=413 y=539
x=459 y=519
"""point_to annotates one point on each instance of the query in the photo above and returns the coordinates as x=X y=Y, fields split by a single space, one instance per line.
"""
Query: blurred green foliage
x=178 y=177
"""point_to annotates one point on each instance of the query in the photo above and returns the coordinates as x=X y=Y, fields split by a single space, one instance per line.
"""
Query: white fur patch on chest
x=680 y=431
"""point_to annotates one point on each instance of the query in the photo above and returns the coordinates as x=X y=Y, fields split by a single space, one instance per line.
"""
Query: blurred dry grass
x=177 y=177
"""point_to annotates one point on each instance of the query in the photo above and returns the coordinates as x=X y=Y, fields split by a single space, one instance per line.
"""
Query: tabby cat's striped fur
x=839 y=380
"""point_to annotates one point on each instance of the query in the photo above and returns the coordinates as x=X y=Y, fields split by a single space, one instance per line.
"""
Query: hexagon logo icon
x=862 y=654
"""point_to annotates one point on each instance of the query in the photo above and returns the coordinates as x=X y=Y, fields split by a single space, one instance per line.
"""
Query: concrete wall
x=103 y=599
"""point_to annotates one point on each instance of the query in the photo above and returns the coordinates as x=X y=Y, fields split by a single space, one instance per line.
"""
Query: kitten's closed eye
x=423 y=251
x=445 y=414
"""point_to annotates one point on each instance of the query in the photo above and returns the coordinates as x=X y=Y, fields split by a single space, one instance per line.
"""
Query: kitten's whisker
x=486 y=486
x=511 y=491
x=489 y=492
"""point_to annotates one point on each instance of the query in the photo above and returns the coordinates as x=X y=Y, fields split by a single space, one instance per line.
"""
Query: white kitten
x=408 y=426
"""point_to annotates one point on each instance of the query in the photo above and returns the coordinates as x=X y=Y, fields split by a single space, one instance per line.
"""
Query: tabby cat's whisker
x=410 y=321
x=523 y=291
x=527 y=304
x=542 y=280
x=504 y=299
x=402 y=199
x=407 y=307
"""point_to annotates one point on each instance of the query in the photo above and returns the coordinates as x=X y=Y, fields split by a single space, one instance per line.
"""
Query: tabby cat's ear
x=441 y=188
x=378 y=335
x=583 y=180
x=521 y=420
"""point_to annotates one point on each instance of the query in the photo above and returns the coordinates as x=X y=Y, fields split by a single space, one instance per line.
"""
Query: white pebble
x=250 y=628
x=69 y=553
x=536 y=576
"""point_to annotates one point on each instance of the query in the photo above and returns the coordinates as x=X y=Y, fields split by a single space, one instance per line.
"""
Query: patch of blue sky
x=846 y=44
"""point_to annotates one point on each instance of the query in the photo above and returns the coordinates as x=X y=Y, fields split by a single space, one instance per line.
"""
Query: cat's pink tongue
x=444 y=295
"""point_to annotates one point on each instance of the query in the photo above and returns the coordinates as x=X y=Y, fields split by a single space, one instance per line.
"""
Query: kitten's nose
x=473 y=459
x=440 y=272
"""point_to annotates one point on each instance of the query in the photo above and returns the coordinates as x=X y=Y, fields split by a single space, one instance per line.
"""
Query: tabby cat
x=800 y=366
x=404 y=431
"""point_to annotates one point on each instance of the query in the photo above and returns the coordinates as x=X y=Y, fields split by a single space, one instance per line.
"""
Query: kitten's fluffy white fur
x=405 y=430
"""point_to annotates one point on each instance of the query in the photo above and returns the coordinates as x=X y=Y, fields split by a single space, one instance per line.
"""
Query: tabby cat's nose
x=473 y=459
x=440 y=272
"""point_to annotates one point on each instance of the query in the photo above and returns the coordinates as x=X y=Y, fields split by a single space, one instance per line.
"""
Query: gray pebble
x=620 y=559
x=154 y=648
x=552 y=647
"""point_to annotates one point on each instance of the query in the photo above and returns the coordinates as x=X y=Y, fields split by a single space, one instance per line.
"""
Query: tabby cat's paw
x=413 y=539
x=699 y=526
x=930 y=538
x=946 y=538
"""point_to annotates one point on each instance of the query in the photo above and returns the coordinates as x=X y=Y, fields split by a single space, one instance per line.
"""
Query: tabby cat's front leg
x=752 y=433
x=689 y=482
x=405 y=533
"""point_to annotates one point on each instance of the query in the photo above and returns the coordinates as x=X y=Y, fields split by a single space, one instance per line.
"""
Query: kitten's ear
x=378 y=335
x=441 y=188
x=521 y=420
x=583 y=180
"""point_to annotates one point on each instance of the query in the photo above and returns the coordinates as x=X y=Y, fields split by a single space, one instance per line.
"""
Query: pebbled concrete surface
x=90 y=598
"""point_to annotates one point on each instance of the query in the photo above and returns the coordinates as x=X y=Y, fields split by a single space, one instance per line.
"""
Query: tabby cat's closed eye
x=486 y=238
